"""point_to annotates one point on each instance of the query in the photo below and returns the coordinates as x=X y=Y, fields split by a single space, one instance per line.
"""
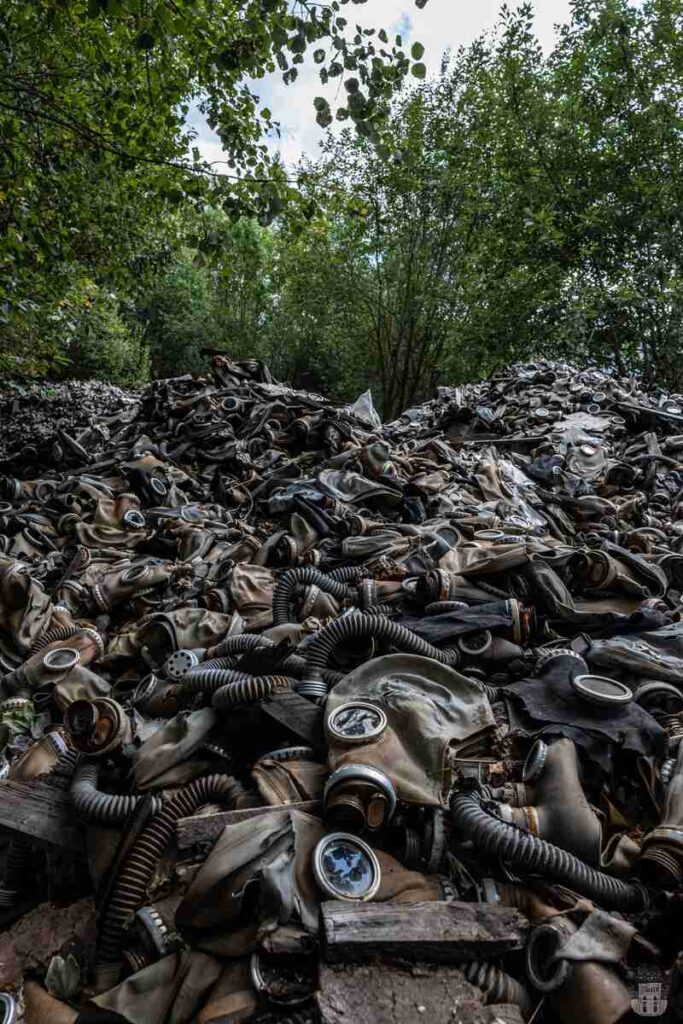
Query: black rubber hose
x=293 y=578
x=105 y=809
x=211 y=664
x=51 y=636
x=213 y=679
x=295 y=665
x=250 y=690
x=209 y=680
x=349 y=573
x=130 y=888
x=497 y=985
x=239 y=644
x=529 y=854
x=355 y=627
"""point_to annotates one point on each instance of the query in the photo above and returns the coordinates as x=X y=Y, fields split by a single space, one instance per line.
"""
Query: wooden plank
x=298 y=714
x=431 y=932
x=207 y=828
x=42 y=812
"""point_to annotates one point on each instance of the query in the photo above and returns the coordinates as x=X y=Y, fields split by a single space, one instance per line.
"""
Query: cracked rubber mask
x=393 y=726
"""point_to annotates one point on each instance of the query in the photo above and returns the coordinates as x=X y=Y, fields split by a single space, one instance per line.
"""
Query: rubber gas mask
x=393 y=726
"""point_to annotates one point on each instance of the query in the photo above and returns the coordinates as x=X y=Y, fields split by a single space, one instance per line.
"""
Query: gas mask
x=288 y=775
x=58 y=673
x=25 y=608
x=97 y=727
x=550 y=801
x=117 y=523
x=166 y=632
x=127 y=581
x=393 y=726
x=41 y=757
x=661 y=861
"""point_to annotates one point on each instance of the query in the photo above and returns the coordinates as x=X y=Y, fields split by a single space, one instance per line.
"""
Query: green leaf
x=324 y=117
x=318 y=56
x=417 y=51
x=418 y=71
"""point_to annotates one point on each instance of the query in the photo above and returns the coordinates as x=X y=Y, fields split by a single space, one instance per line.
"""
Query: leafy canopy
x=93 y=100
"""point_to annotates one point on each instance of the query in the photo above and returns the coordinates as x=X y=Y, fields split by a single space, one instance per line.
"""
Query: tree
x=93 y=98
x=530 y=206
x=585 y=154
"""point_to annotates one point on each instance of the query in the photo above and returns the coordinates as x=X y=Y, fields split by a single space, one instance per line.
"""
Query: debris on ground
x=306 y=718
x=36 y=416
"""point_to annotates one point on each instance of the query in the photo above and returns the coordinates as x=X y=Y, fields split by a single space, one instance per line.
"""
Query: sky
x=441 y=25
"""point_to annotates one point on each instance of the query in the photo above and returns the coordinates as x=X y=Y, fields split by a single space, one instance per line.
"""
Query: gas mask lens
x=356 y=722
x=346 y=868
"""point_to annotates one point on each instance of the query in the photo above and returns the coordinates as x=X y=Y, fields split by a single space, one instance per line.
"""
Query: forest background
x=523 y=202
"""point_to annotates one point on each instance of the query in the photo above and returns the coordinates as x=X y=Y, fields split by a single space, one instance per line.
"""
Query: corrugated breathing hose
x=293 y=578
x=239 y=644
x=211 y=680
x=130 y=888
x=250 y=690
x=105 y=809
x=497 y=985
x=295 y=665
x=226 y=661
x=201 y=680
x=355 y=627
x=54 y=635
x=349 y=573
x=527 y=853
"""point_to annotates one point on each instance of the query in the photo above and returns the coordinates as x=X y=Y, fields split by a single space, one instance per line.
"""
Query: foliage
x=521 y=204
x=580 y=249
x=177 y=317
x=103 y=344
x=532 y=207
x=93 y=100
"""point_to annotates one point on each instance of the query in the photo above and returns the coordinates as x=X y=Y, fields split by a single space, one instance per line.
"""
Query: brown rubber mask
x=431 y=712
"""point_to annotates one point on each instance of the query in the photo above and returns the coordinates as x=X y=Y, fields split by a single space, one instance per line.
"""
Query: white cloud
x=441 y=25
